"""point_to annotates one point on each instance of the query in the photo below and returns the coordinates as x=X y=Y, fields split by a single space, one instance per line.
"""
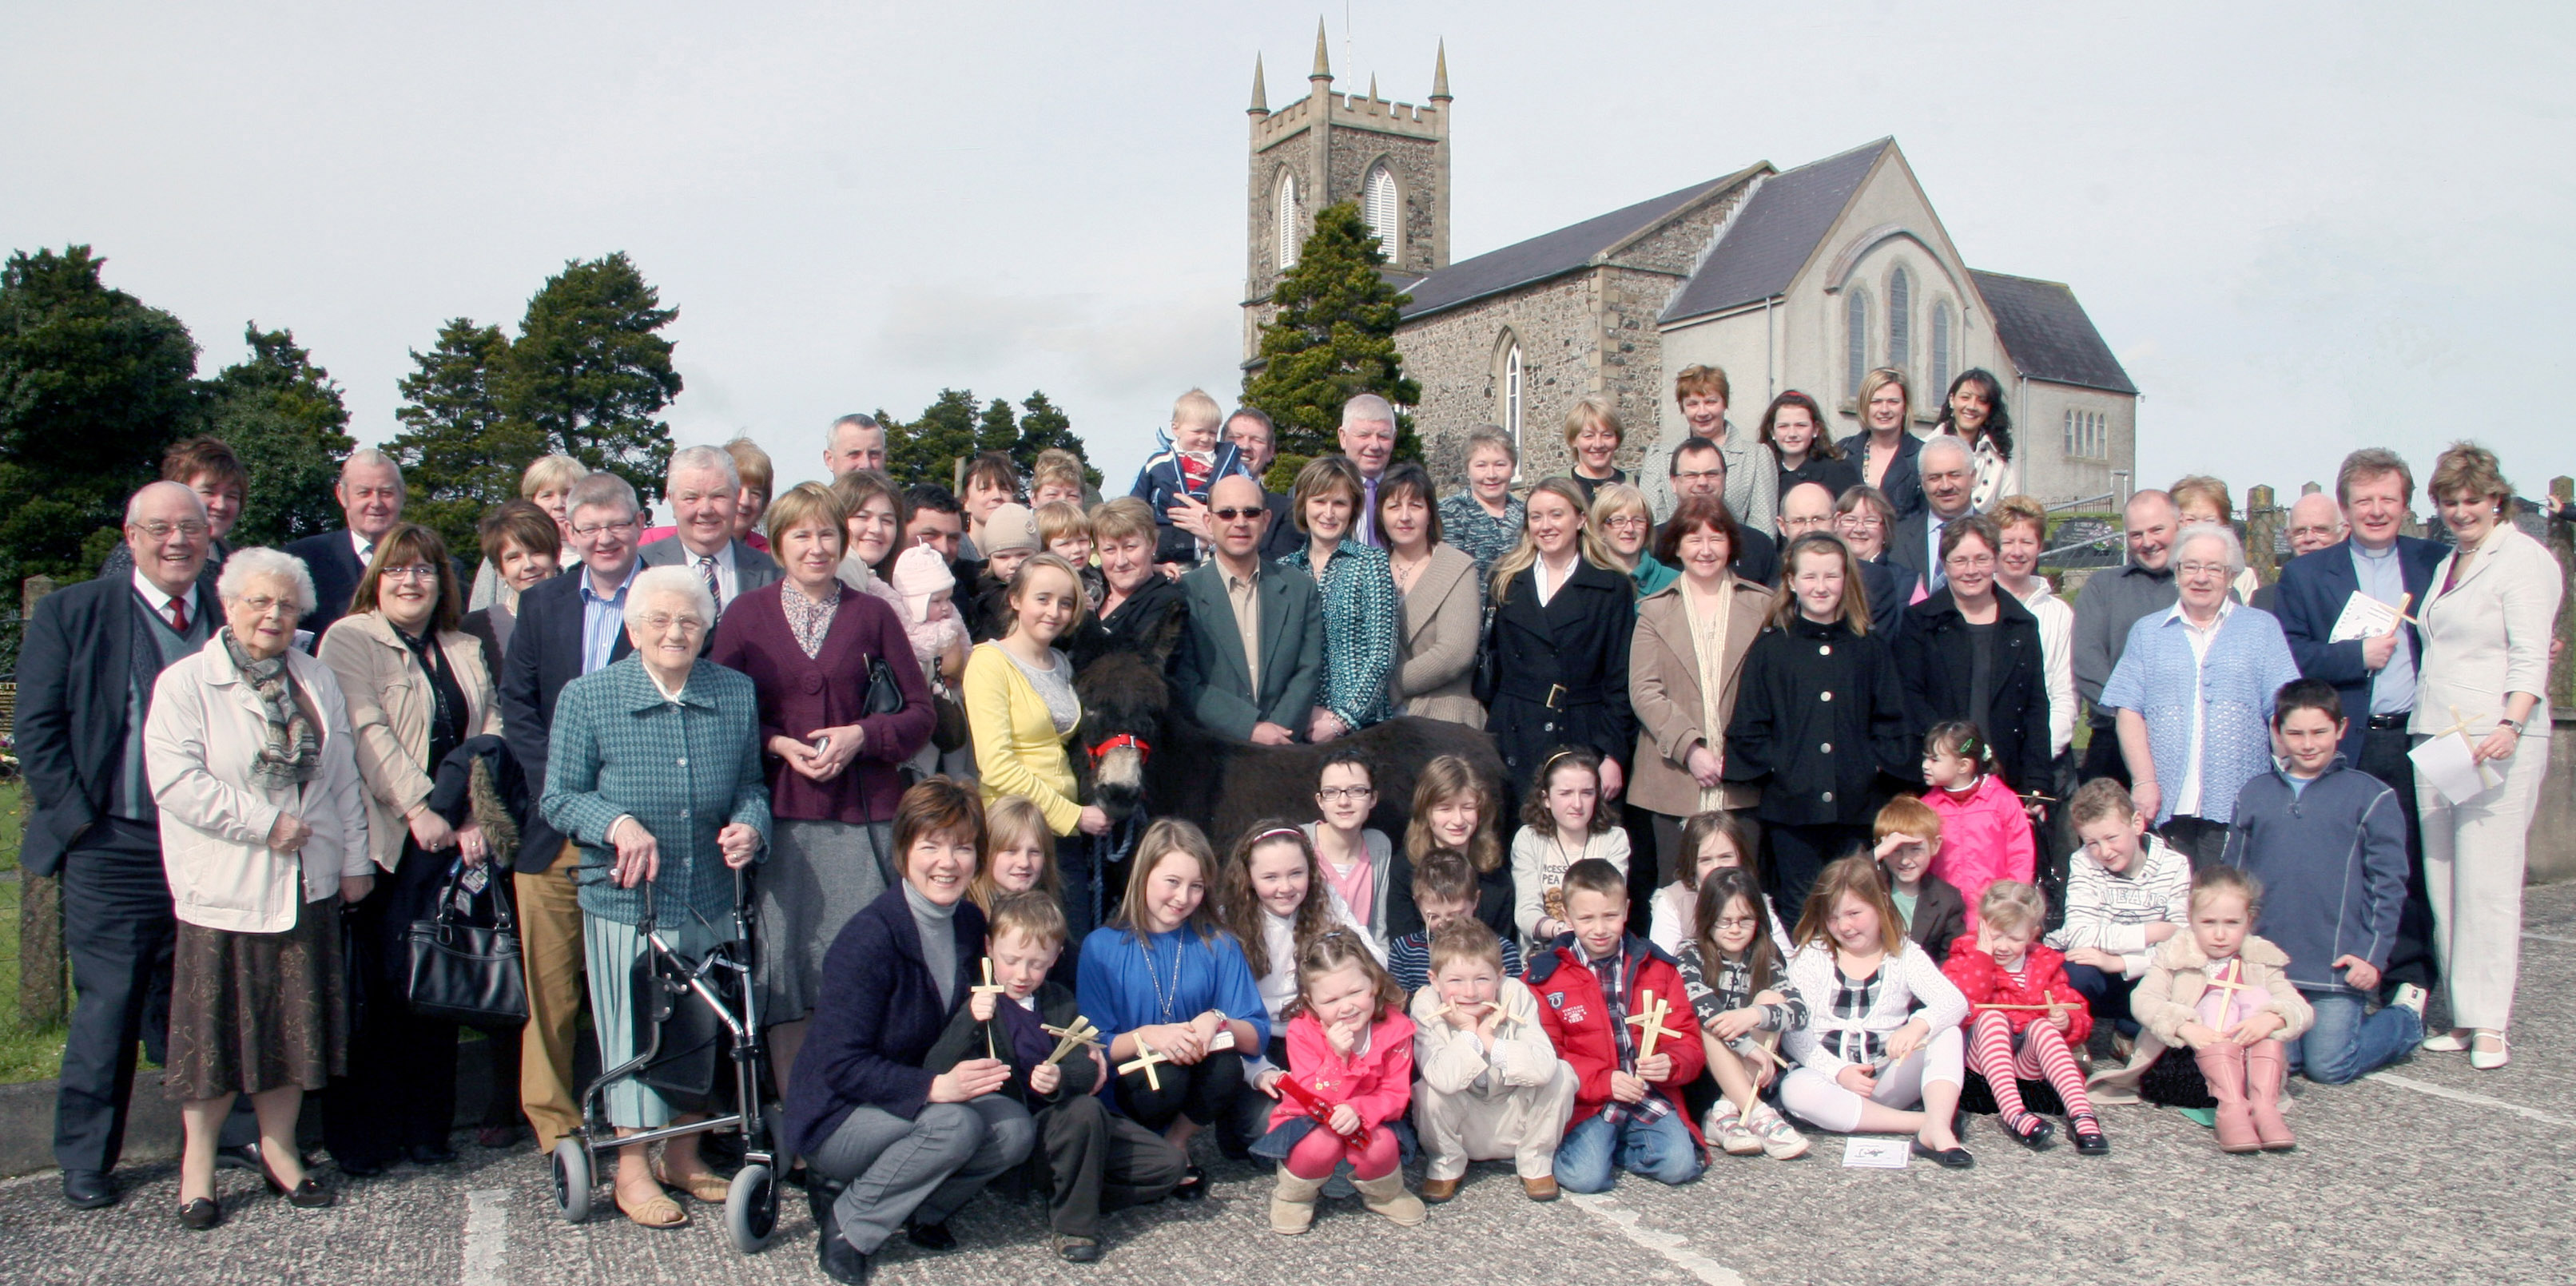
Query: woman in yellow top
x=1021 y=711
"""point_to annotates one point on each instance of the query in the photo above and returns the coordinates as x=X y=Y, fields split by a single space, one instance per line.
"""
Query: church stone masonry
x=1804 y=278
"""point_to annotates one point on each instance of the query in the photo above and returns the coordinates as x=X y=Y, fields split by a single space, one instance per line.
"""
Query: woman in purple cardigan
x=888 y=1145
x=806 y=643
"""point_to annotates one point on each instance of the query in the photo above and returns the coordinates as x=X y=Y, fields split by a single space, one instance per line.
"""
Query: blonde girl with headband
x=1985 y=830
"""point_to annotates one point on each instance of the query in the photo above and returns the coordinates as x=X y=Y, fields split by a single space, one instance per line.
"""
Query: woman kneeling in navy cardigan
x=885 y=1141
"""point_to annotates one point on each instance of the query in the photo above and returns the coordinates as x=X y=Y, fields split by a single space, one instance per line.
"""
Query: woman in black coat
x=1819 y=719
x=1559 y=675
x=1143 y=606
x=1970 y=653
x=888 y=1143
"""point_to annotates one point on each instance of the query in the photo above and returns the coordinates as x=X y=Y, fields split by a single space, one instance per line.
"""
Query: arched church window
x=1941 y=346
x=1900 y=319
x=1384 y=211
x=1288 y=239
x=1513 y=392
x=1855 y=339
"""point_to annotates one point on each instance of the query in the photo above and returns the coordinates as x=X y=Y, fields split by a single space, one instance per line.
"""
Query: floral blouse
x=1361 y=617
x=808 y=620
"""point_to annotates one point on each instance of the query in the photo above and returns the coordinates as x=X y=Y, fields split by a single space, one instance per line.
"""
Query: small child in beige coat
x=2224 y=993
x=1492 y=1086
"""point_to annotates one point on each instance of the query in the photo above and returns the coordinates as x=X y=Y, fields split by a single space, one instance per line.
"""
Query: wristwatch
x=2514 y=724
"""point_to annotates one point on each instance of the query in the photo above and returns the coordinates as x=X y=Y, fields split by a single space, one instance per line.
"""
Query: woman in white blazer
x=263 y=835
x=2486 y=628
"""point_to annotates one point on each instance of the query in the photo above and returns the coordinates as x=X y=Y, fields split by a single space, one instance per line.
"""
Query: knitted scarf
x=292 y=755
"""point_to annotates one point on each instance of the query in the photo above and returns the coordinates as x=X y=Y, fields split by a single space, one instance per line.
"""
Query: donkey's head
x=1124 y=698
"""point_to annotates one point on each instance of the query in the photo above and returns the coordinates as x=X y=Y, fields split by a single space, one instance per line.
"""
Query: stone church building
x=1803 y=278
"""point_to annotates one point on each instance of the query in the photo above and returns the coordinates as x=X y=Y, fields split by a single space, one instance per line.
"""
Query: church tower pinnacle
x=1260 y=98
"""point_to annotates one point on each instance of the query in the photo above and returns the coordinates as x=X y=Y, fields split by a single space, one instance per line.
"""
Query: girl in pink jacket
x=1349 y=1080
x=1985 y=830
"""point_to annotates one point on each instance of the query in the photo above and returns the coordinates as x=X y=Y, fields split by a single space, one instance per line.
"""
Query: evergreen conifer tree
x=590 y=370
x=1333 y=337
x=286 y=420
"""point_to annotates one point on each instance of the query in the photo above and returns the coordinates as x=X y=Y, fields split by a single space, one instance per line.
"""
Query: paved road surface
x=2433 y=1173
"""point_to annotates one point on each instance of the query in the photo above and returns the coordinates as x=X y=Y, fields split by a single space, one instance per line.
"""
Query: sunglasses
x=1236 y=515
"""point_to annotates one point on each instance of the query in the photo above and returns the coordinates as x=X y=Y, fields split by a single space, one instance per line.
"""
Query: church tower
x=1393 y=158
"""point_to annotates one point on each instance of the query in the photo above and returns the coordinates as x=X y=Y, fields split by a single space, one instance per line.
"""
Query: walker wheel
x=572 y=1179
x=751 y=1208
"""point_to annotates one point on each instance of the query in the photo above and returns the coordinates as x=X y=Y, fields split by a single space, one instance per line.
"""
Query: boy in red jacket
x=1592 y=991
x=2024 y=1019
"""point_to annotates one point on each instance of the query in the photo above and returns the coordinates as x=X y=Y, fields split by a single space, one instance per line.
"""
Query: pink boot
x=2223 y=1066
x=2267 y=1065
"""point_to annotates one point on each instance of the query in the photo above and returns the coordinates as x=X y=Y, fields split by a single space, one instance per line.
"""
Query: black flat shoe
x=1949 y=1158
x=2041 y=1131
x=307 y=1195
x=1078 y=1250
x=430 y=1154
x=1192 y=1187
x=200 y=1214
x=88 y=1189
x=841 y=1261
x=2092 y=1143
x=931 y=1236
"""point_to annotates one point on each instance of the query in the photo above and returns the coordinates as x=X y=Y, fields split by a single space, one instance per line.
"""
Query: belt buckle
x=1555 y=691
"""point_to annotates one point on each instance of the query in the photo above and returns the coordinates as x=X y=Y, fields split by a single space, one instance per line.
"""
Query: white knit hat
x=919 y=574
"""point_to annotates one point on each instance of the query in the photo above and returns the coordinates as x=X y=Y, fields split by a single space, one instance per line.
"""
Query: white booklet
x=2451 y=764
x=1877 y=1151
x=2365 y=617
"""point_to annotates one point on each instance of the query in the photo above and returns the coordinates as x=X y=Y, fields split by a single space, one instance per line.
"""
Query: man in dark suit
x=1699 y=469
x=370 y=492
x=2374 y=676
x=705 y=493
x=1949 y=477
x=1252 y=433
x=85 y=675
x=1253 y=656
x=568 y=627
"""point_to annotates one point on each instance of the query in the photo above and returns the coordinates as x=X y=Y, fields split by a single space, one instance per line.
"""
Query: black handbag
x=466 y=973
x=1489 y=679
x=884 y=696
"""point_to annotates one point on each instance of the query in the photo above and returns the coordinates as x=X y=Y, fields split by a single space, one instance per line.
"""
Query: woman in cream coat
x=417 y=689
x=2486 y=627
x=263 y=835
x=1443 y=603
x=1689 y=647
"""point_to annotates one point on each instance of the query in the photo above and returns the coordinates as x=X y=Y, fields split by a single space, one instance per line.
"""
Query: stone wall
x=1456 y=356
x=1415 y=162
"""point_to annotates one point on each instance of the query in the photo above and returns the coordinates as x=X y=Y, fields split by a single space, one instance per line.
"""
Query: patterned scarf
x=292 y=755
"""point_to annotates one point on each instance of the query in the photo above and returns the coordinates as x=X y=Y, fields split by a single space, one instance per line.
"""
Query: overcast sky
x=2302 y=228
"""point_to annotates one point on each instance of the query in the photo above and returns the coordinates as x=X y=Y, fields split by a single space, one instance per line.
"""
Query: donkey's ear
x=1167 y=635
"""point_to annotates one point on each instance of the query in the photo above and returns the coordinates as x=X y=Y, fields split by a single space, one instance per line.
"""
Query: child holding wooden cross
x=1348 y=1082
x=1098 y=1161
x=1628 y=1111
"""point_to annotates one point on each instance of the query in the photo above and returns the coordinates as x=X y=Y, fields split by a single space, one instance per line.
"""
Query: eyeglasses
x=1971 y=562
x=161 y=530
x=1738 y=922
x=1699 y=475
x=416 y=571
x=662 y=622
x=262 y=605
x=627 y=524
x=2200 y=569
x=1626 y=522
x=1236 y=515
x=1338 y=794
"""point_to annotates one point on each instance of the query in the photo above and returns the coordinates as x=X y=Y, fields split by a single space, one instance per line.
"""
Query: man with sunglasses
x=1254 y=651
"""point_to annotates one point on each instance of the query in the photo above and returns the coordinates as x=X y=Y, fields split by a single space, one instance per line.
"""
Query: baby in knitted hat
x=930 y=619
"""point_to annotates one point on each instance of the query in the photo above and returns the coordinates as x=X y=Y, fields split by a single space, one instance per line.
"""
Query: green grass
x=26 y=1054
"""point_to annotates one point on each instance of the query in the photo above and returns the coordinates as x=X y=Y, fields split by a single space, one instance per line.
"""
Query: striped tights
x=2043 y=1055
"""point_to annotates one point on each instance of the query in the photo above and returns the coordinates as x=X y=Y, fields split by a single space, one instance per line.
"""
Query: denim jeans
x=2107 y=994
x=2345 y=1045
x=1596 y=1150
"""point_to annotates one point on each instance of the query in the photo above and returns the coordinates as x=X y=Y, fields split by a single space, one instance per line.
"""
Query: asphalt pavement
x=2429 y=1172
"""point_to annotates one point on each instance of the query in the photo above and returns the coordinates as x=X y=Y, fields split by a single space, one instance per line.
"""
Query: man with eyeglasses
x=92 y=653
x=705 y=491
x=568 y=626
x=2193 y=696
x=370 y=492
x=2114 y=600
x=1699 y=469
x=1253 y=655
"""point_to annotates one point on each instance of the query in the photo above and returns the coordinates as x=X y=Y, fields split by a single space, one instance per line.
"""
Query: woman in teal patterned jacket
x=1361 y=612
x=654 y=770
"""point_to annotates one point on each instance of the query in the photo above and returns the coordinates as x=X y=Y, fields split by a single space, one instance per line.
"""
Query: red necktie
x=179 y=615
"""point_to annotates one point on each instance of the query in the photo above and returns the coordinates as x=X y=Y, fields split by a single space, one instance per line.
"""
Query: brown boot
x=2223 y=1066
x=1439 y=1190
x=2267 y=1064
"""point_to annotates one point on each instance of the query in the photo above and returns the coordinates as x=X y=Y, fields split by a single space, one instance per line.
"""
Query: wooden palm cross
x=1074 y=1035
x=1649 y=1021
x=1144 y=1062
x=2231 y=981
x=991 y=988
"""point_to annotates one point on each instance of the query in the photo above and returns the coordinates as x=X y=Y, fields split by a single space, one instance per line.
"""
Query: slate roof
x=1552 y=254
x=1775 y=234
x=2048 y=334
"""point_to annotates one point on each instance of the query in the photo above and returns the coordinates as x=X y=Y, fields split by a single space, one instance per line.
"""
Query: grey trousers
x=921 y=1170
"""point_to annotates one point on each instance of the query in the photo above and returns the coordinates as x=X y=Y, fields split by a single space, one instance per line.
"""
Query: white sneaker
x=1780 y=1141
x=1725 y=1128
x=2410 y=996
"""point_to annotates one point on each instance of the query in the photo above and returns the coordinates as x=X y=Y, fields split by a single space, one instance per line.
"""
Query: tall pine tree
x=1333 y=337
x=285 y=418
x=93 y=384
x=1043 y=427
x=590 y=370
x=927 y=449
x=460 y=455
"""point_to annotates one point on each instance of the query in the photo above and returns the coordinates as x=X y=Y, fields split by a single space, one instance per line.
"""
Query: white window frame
x=1382 y=204
x=1285 y=213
